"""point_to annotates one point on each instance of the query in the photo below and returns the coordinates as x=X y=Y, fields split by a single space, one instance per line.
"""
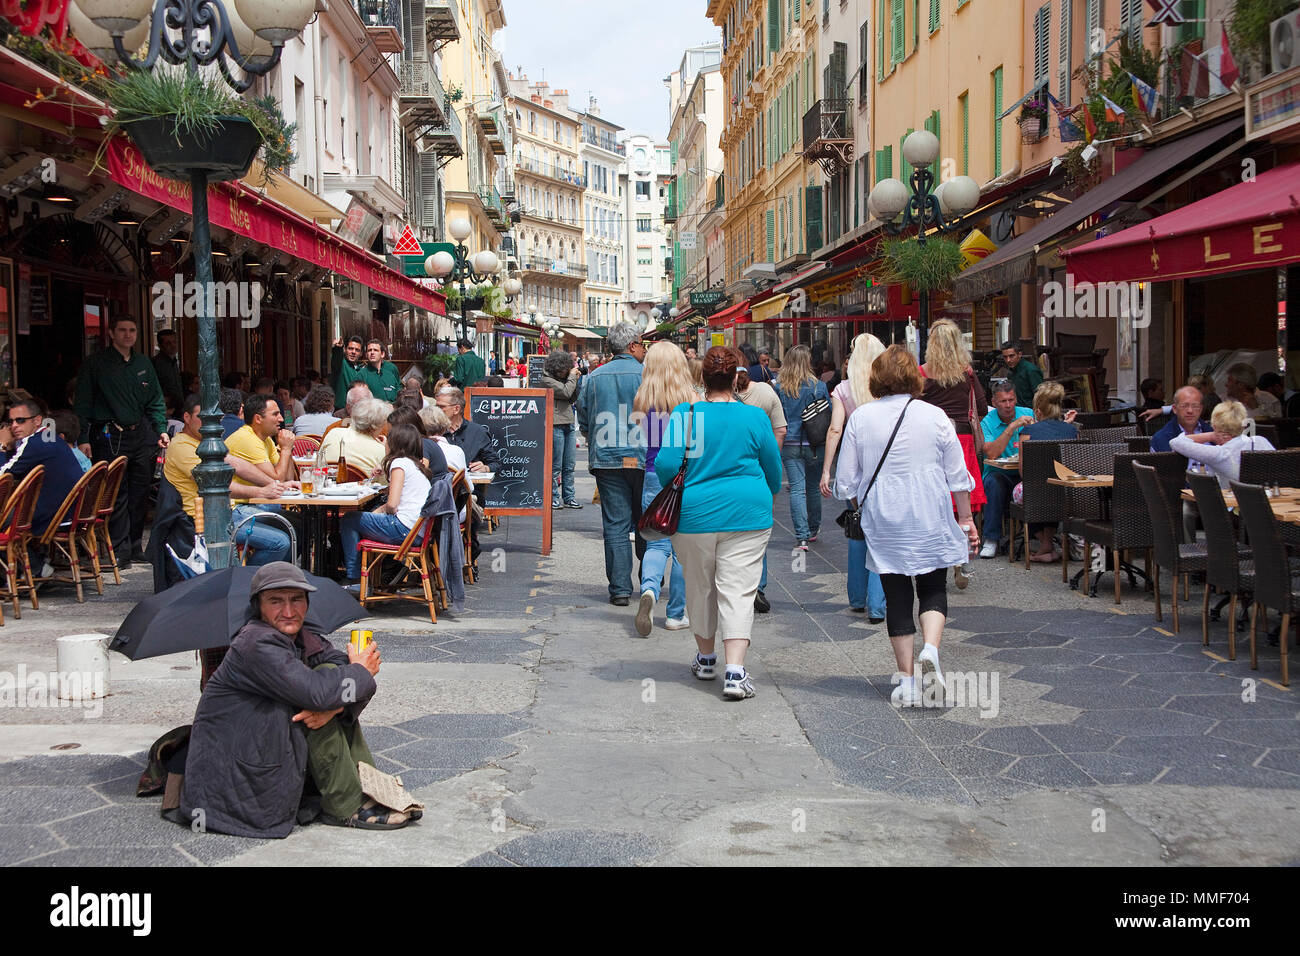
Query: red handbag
x=661 y=516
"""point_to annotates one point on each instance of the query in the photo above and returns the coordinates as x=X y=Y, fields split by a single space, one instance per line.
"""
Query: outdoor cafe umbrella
x=206 y=611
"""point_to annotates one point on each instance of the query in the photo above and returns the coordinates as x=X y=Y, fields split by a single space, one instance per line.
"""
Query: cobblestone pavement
x=539 y=729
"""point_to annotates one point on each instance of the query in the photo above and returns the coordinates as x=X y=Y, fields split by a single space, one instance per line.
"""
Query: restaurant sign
x=1273 y=104
x=702 y=300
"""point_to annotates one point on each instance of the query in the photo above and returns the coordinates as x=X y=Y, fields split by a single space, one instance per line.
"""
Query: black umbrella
x=208 y=610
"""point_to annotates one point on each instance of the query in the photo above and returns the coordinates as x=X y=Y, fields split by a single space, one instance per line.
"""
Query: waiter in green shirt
x=469 y=368
x=120 y=404
x=1025 y=375
x=380 y=374
x=346 y=365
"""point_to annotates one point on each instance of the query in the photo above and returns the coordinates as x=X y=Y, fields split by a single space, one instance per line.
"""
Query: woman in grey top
x=561 y=376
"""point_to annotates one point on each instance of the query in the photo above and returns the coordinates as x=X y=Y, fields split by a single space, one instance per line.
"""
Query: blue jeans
x=620 y=509
x=372 y=526
x=657 y=556
x=268 y=542
x=865 y=589
x=803 y=468
x=998 y=485
x=564 y=452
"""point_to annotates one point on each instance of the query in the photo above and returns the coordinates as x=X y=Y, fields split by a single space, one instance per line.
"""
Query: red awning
x=730 y=316
x=1252 y=225
x=235 y=207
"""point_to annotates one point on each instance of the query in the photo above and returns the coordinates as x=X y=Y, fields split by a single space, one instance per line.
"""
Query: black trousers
x=931 y=595
x=140 y=446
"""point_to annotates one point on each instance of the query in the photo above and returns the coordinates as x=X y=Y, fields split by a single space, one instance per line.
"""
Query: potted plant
x=184 y=123
x=455 y=93
x=926 y=267
x=1033 y=120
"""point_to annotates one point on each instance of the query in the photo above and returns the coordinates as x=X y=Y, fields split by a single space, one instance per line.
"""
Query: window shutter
x=934 y=15
x=932 y=124
x=813 y=217
x=798 y=11
x=997 y=122
x=427 y=182
x=880 y=41
x=904 y=167
x=864 y=48
x=965 y=135
x=1063 y=54
x=896 y=31
x=771 y=236
x=1042 y=54
x=415 y=32
x=1094 y=24
x=773 y=26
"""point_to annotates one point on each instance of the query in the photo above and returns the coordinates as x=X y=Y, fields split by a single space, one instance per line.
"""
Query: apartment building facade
x=604 y=165
x=645 y=193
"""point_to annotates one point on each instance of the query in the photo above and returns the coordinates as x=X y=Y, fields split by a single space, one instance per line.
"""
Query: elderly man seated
x=283 y=702
x=362 y=441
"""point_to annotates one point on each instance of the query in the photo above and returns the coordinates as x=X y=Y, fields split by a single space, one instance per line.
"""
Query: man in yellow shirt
x=265 y=445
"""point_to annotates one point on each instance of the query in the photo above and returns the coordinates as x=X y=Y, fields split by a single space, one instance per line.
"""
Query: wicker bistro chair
x=1165 y=535
x=1271 y=467
x=1140 y=443
x=1274 y=585
x=73 y=526
x=1091 y=420
x=15 y=535
x=1040 y=501
x=1085 y=505
x=1128 y=529
x=1229 y=567
x=305 y=445
x=6 y=489
x=418 y=552
x=103 y=541
x=1114 y=433
x=462 y=493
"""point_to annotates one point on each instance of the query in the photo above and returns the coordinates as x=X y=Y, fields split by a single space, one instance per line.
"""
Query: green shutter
x=965 y=135
x=916 y=24
x=880 y=42
x=934 y=15
x=896 y=31
x=780 y=218
x=773 y=25
x=813 y=217
x=771 y=236
x=798 y=11
x=803 y=238
x=997 y=123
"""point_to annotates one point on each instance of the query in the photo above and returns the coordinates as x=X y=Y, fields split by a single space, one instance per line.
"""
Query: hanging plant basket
x=225 y=152
x=1033 y=129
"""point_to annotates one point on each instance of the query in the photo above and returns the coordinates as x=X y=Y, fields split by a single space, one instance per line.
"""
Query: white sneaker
x=990 y=549
x=735 y=687
x=906 y=694
x=961 y=575
x=677 y=623
x=929 y=661
x=645 y=613
x=702 y=669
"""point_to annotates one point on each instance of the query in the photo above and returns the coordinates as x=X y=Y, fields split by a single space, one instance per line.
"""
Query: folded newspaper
x=385 y=789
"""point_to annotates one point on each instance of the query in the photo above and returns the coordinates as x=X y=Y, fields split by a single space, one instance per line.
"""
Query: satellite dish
x=1004 y=225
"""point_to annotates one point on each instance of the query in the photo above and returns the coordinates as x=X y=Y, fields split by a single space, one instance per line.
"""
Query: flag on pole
x=1114 y=113
x=1069 y=130
x=1194 y=75
x=1228 y=71
x=1144 y=95
x=1089 y=124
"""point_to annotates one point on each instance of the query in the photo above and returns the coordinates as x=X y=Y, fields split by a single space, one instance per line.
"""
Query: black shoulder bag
x=850 y=518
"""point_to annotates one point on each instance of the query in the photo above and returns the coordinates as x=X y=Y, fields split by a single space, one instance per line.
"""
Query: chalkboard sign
x=520 y=422
x=536 y=369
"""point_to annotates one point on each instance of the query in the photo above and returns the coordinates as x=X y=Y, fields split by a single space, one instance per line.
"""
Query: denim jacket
x=793 y=408
x=605 y=415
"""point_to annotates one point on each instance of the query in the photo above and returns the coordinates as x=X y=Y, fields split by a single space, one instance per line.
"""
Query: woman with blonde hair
x=951 y=385
x=865 y=590
x=665 y=384
x=1220 y=450
x=1051 y=424
x=798 y=387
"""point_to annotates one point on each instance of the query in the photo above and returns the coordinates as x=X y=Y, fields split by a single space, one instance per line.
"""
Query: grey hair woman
x=560 y=374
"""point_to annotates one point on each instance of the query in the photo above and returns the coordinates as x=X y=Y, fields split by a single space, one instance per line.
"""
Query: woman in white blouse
x=907 y=513
x=1220 y=450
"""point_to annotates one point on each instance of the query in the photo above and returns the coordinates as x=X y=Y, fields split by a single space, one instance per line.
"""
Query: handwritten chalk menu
x=520 y=422
x=536 y=369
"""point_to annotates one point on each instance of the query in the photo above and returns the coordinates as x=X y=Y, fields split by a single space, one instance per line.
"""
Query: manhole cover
x=65 y=746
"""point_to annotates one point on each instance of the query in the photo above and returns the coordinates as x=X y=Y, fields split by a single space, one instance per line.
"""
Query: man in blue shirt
x=25 y=442
x=230 y=402
x=616 y=451
x=1001 y=428
x=1186 y=420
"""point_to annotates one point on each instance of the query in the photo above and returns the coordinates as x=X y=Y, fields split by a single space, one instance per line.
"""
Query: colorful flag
x=1069 y=131
x=1089 y=124
x=1113 y=111
x=1144 y=95
x=1194 y=77
x=1228 y=71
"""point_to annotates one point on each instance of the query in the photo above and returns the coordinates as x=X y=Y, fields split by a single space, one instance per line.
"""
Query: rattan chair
x=416 y=553
x=6 y=488
x=71 y=531
x=1085 y=506
x=1040 y=501
x=1271 y=467
x=1229 y=568
x=1168 y=551
x=1138 y=444
x=15 y=536
x=1274 y=586
x=305 y=445
x=103 y=541
x=462 y=494
x=1115 y=433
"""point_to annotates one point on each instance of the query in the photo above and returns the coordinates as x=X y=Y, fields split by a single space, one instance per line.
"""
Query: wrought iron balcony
x=424 y=101
x=529 y=165
x=604 y=140
x=496 y=209
x=447 y=139
x=441 y=25
x=828 y=134
x=554 y=267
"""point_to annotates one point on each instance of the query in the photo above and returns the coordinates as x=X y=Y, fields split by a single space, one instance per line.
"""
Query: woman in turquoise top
x=733 y=469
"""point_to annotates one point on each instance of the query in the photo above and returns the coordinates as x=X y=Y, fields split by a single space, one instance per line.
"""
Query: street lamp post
x=460 y=267
x=924 y=206
x=250 y=35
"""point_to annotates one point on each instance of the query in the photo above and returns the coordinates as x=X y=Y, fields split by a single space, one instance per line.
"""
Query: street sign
x=413 y=264
x=705 y=299
x=687 y=240
x=407 y=244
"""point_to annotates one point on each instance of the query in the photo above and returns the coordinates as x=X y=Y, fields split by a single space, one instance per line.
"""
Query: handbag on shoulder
x=850 y=518
x=662 y=515
x=816 y=419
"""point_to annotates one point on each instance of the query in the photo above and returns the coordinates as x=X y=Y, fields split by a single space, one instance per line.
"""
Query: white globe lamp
x=116 y=16
x=889 y=198
x=962 y=194
x=921 y=148
x=459 y=229
x=276 y=20
x=439 y=264
x=486 y=263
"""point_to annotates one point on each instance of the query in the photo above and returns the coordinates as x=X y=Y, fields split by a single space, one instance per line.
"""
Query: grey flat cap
x=279 y=574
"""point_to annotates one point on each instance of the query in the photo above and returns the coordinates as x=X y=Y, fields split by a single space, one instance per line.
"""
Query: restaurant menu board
x=536 y=369
x=520 y=422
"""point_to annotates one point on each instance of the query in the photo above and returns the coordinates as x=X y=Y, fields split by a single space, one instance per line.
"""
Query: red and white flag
x=1228 y=71
x=1194 y=75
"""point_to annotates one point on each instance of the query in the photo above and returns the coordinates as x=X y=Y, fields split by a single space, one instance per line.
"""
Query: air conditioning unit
x=1284 y=41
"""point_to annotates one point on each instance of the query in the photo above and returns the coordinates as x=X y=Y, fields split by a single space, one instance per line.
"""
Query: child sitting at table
x=408 y=487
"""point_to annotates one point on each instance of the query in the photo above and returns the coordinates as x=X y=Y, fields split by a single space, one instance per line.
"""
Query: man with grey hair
x=1242 y=386
x=616 y=451
x=358 y=392
x=471 y=437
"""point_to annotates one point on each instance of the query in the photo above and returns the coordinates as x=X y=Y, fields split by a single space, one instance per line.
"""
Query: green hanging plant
x=926 y=267
x=1248 y=29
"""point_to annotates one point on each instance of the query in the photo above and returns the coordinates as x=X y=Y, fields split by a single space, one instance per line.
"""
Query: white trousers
x=722 y=570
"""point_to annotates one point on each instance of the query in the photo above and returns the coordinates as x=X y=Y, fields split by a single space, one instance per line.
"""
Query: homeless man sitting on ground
x=284 y=701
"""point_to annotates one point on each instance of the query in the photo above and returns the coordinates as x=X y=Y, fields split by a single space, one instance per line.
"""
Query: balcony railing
x=828 y=134
x=552 y=267
x=492 y=202
x=529 y=165
x=380 y=13
x=608 y=143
